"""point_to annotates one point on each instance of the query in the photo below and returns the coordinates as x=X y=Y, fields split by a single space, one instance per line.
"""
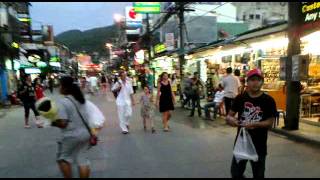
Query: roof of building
x=262 y=31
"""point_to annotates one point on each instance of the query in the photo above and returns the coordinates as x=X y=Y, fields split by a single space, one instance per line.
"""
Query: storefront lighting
x=274 y=43
x=188 y=57
x=311 y=43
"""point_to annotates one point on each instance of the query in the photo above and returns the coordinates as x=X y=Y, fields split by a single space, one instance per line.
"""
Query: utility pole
x=181 y=28
x=293 y=87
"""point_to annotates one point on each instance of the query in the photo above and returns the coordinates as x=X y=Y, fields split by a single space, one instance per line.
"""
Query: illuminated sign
x=9 y=65
x=159 y=48
x=54 y=59
x=55 y=64
x=41 y=64
x=133 y=20
x=310 y=11
x=32 y=70
x=147 y=7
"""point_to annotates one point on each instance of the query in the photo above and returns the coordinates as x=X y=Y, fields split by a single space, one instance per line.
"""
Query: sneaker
x=153 y=131
x=27 y=126
x=125 y=132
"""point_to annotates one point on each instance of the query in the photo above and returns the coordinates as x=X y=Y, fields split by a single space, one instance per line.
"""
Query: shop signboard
x=170 y=41
x=147 y=7
x=300 y=67
x=133 y=19
x=309 y=16
x=159 y=48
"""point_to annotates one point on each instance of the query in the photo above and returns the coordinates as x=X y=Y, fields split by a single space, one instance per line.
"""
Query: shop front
x=164 y=64
x=310 y=97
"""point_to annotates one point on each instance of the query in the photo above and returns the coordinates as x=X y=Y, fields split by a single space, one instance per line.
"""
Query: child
x=38 y=89
x=147 y=108
x=217 y=101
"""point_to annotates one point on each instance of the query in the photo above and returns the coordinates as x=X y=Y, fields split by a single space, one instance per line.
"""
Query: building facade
x=258 y=14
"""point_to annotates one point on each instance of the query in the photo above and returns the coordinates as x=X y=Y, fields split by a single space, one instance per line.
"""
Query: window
x=251 y=16
x=258 y=16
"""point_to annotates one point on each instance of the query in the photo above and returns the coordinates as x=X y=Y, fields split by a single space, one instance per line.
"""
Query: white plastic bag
x=244 y=148
x=95 y=117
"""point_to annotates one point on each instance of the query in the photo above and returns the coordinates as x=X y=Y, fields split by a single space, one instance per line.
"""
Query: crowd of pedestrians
x=241 y=99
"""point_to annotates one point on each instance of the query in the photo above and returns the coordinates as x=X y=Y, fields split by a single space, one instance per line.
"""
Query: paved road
x=194 y=148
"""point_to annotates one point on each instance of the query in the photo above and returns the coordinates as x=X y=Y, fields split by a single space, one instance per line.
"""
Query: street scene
x=159 y=90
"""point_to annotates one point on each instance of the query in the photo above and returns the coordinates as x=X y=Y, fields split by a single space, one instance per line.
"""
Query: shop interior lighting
x=311 y=43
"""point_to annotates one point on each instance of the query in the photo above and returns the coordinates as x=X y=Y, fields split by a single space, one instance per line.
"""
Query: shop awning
x=262 y=31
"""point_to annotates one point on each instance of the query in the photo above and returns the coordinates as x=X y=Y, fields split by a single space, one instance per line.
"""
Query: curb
x=297 y=138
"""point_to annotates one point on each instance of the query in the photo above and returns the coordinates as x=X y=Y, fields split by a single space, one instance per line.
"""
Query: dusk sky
x=75 y=15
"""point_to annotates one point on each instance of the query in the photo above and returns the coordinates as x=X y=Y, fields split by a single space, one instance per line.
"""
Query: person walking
x=196 y=86
x=150 y=80
x=216 y=103
x=103 y=82
x=174 y=84
x=38 y=89
x=256 y=113
x=147 y=109
x=125 y=100
x=51 y=84
x=186 y=90
x=135 y=84
x=28 y=97
x=74 y=141
x=165 y=100
x=93 y=84
x=231 y=85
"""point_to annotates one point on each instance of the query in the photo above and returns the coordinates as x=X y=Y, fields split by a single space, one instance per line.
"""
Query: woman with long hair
x=28 y=97
x=75 y=136
x=165 y=99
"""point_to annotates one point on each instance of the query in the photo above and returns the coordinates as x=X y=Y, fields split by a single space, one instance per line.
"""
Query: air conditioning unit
x=3 y=17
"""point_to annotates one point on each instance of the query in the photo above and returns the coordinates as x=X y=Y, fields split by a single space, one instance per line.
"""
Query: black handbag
x=116 y=92
x=93 y=141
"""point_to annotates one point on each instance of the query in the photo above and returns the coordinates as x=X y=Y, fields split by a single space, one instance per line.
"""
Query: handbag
x=93 y=141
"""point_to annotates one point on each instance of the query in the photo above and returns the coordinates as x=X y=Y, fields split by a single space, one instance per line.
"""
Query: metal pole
x=181 y=27
x=293 y=88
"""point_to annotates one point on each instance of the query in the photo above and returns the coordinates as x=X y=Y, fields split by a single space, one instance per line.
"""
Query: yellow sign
x=160 y=48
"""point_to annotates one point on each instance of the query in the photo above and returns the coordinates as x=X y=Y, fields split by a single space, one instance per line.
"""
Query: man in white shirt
x=93 y=84
x=124 y=101
x=218 y=99
x=231 y=85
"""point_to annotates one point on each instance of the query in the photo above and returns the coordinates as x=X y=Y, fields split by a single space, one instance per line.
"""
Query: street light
x=118 y=18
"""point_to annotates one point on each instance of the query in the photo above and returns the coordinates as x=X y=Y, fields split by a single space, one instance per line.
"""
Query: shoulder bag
x=93 y=138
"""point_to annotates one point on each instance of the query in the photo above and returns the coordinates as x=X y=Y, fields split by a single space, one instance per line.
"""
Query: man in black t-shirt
x=256 y=112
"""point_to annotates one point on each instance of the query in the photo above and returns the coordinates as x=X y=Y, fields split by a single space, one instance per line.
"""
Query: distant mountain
x=92 y=40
